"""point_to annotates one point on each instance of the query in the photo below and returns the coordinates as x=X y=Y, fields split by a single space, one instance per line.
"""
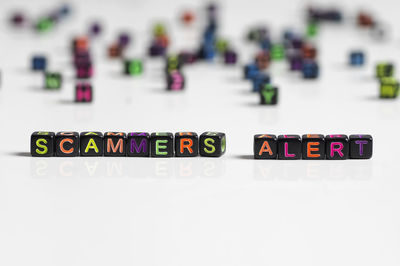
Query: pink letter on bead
x=287 y=154
x=338 y=149
x=177 y=81
x=83 y=93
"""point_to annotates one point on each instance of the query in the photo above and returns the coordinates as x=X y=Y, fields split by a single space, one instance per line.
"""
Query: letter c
x=69 y=151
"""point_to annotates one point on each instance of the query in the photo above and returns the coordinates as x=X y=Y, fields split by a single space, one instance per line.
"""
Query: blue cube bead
x=39 y=63
x=260 y=79
x=357 y=58
x=207 y=51
x=250 y=71
x=310 y=70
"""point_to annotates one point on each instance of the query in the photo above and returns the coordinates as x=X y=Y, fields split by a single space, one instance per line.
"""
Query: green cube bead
x=53 y=81
x=159 y=30
x=44 y=24
x=277 y=52
x=312 y=29
x=389 y=88
x=221 y=45
x=133 y=67
x=384 y=70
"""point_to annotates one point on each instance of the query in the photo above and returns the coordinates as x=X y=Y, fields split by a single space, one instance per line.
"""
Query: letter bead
x=289 y=147
x=212 y=144
x=313 y=147
x=357 y=58
x=84 y=70
x=389 y=88
x=175 y=81
x=250 y=71
x=53 y=81
x=83 y=92
x=361 y=146
x=265 y=146
x=230 y=57
x=91 y=143
x=186 y=144
x=67 y=144
x=133 y=67
x=310 y=69
x=162 y=144
x=39 y=63
x=260 y=80
x=42 y=144
x=384 y=70
x=337 y=147
x=114 y=144
x=268 y=94
x=173 y=63
x=138 y=144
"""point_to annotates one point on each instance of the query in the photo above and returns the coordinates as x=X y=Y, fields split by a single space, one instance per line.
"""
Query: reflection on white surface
x=389 y=110
x=312 y=170
x=127 y=167
x=83 y=115
x=268 y=115
x=263 y=170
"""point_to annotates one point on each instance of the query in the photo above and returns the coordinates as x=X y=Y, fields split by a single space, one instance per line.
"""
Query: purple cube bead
x=296 y=63
x=17 y=19
x=297 y=43
x=230 y=57
x=156 y=50
x=187 y=57
x=95 y=29
x=123 y=39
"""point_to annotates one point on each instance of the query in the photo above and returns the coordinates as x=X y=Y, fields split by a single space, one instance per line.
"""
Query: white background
x=198 y=211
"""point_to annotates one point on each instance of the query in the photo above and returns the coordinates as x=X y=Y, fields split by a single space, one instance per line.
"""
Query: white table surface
x=198 y=211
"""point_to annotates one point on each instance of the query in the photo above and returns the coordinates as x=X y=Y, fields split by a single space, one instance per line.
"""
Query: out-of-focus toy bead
x=187 y=17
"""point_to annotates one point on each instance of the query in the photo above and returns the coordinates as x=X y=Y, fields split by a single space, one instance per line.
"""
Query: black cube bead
x=289 y=147
x=268 y=94
x=138 y=144
x=265 y=146
x=212 y=144
x=313 y=147
x=114 y=144
x=162 y=144
x=91 y=143
x=361 y=146
x=83 y=92
x=186 y=144
x=175 y=81
x=337 y=147
x=42 y=144
x=67 y=144
x=173 y=62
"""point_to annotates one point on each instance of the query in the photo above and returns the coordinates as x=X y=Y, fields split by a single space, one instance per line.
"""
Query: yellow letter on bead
x=207 y=142
x=92 y=145
x=44 y=147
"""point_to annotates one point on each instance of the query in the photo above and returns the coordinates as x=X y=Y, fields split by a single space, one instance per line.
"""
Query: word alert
x=312 y=147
